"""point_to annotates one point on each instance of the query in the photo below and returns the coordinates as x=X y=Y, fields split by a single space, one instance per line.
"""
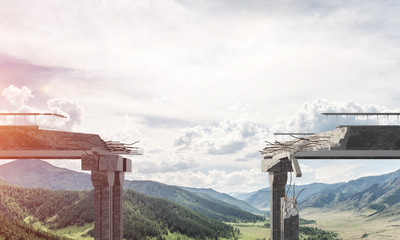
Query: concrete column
x=117 y=205
x=290 y=219
x=277 y=181
x=103 y=182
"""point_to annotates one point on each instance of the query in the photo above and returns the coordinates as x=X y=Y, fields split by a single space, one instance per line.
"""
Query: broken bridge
x=345 y=142
x=101 y=158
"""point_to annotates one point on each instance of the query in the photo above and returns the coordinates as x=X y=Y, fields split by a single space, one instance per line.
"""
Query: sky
x=203 y=84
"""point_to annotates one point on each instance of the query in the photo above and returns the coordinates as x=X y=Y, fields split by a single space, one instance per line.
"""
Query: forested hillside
x=153 y=217
x=12 y=229
x=211 y=194
x=57 y=209
x=37 y=173
x=143 y=215
x=215 y=209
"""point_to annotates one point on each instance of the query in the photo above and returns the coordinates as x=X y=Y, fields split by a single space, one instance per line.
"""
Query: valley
x=367 y=207
x=353 y=225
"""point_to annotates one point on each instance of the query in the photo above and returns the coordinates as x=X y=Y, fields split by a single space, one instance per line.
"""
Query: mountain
x=383 y=197
x=40 y=174
x=335 y=194
x=143 y=216
x=241 y=195
x=261 y=198
x=211 y=194
x=321 y=194
x=212 y=208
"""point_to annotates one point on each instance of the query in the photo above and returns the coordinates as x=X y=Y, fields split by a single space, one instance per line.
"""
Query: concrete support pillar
x=108 y=171
x=290 y=219
x=277 y=181
x=103 y=182
x=117 y=206
x=291 y=228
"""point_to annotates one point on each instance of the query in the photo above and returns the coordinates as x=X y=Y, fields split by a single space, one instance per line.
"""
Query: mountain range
x=144 y=216
x=211 y=194
x=315 y=194
x=366 y=192
x=41 y=174
x=383 y=197
x=158 y=209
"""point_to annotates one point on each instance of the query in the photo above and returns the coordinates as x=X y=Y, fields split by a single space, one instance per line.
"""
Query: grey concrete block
x=90 y=162
x=127 y=165
x=111 y=163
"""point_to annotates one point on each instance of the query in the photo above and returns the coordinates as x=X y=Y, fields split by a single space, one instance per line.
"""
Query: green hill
x=215 y=209
x=56 y=209
x=40 y=174
x=211 y=194
x=143 y=216
x=154 y=216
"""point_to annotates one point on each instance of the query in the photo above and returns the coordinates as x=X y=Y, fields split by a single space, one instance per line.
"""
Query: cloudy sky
x=202 y=84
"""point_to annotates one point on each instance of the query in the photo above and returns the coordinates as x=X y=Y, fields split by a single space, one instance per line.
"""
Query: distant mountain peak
x=41 y=174
x=24 y=163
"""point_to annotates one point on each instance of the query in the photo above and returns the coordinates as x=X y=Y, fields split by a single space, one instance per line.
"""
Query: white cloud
x=70 y=109
x=310 y=119
x=249 y=154
x=17 y=96
x=202 y=60
x=229 y=136
x=123 y=128
x=163 y=161
x=334 y=172
x=183 y=64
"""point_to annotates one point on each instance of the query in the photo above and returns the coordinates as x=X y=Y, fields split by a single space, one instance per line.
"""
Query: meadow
x=354 y=225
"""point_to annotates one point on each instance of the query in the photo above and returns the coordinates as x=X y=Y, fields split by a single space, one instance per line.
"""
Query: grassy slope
x=76 y=232
x=252 y=231
x=352 y=225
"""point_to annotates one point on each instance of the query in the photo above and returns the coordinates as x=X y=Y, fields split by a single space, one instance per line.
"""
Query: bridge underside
x=107 y=168
x=345 y=142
